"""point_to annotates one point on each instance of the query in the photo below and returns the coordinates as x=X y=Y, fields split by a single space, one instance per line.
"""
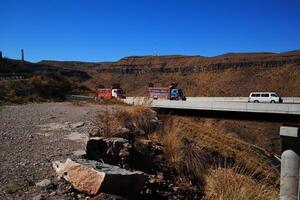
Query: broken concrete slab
x=93 y=177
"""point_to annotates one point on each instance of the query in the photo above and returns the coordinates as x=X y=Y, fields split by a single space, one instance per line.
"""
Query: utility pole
x=22 y=51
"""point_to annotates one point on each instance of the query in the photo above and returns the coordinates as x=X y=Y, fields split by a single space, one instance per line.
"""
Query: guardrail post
x=290 y=163
x=289 y=178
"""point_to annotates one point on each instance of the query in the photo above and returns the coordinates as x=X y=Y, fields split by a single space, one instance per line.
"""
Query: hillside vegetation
x=38 y=88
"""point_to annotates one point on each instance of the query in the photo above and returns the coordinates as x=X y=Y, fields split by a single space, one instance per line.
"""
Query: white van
x=264 y=97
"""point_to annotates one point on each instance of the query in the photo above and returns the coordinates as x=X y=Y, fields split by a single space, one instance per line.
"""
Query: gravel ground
x=34 y=135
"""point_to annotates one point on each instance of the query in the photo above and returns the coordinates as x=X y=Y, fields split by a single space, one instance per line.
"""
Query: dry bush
x=173 y=147
x=230 y=184
x=136 y=117
x=194 y=163
x=225 y=146
x=133 y=118
x=14 y=187
x=188 y=159
x=111 y=102
x=78 y=103
x=106 y=123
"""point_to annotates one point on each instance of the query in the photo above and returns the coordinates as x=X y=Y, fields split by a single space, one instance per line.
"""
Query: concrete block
x=289 y=131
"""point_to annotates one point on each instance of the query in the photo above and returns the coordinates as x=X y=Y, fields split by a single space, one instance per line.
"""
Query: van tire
x=256 y=101
x=272 y=101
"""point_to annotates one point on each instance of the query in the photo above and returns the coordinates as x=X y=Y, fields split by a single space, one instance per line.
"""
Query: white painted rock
x=43 y=183
x=77 y=125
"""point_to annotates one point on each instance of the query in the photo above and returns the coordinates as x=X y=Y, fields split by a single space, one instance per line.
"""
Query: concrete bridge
x=291 y=105
x=231 y=104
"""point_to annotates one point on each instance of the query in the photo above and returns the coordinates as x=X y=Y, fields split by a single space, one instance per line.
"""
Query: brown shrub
x=111 y=102
x=133 y=118
x=230 y=184
x=173 y=147
x=227 y=147
x=106 y=123
x=136 y=117
x=188 y=158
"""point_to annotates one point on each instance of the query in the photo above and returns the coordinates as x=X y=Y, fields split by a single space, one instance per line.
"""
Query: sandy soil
x=34 y=135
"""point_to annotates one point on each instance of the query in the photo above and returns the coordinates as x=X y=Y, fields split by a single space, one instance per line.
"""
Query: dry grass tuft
x=111 y=102
x=188 y=158
x=10 y=188
x=173 y=147
x=106 y=123
x=136 y=117
x=132 y=117
x=230 y=184
x=78 y=103
x=226 y=146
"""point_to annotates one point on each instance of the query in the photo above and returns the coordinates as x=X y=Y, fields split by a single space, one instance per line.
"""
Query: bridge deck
x=233 y=106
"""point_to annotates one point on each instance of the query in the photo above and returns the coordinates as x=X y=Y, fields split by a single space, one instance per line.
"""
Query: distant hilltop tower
x=22 y=51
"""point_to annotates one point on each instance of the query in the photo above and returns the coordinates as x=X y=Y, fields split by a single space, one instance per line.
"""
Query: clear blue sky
x=108 y=30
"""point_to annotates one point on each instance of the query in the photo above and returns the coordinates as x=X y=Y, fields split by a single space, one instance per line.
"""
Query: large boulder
x=147 y=155
x=142 y=154
x=112 y=150
x=93 y=177
x=83 y=178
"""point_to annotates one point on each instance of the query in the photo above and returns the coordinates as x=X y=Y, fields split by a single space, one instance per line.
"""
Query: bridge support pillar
x=290 y=163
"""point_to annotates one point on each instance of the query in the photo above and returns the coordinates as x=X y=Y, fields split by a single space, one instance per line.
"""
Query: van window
x=273 y=95
x=255 y=95
x=265 y=95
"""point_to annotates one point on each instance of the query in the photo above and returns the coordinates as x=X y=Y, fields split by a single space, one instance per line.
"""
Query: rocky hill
x=185 y=64
x=232 y=74
x=10 y=66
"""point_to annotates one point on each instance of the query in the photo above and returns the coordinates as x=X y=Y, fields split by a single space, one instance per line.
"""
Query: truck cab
x=177 y=94
x=117 y=93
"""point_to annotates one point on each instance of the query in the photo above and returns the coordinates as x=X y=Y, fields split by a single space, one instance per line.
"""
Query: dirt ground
x=34 y=135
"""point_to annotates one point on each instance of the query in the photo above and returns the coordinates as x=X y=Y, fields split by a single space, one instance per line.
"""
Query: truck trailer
x=110 y=93
x=171 y=92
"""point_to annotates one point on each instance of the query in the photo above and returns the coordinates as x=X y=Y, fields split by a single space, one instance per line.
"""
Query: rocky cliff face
x=194 y=64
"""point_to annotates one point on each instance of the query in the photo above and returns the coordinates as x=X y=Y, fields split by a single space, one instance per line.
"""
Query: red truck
x=171 y=92
x=110 y=93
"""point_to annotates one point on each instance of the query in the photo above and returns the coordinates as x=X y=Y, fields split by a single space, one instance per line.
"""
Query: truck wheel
x=272 y=101
x=256 y=101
